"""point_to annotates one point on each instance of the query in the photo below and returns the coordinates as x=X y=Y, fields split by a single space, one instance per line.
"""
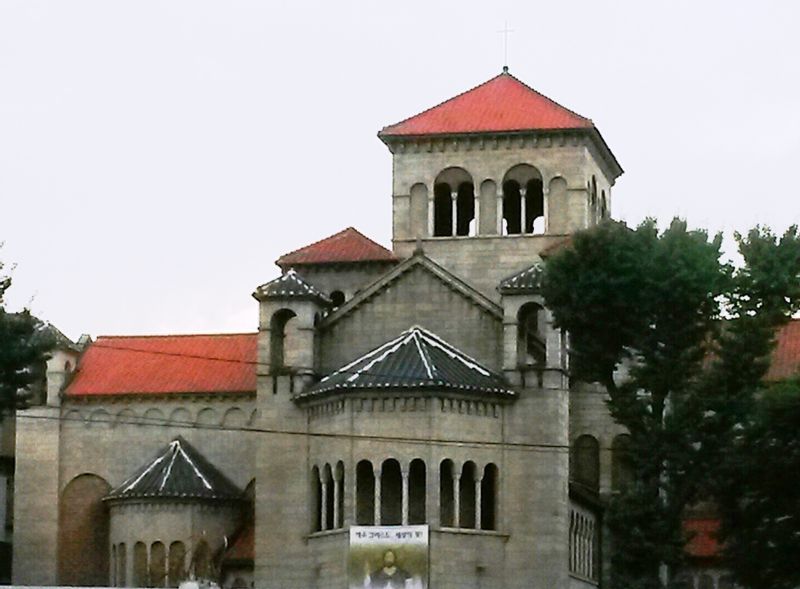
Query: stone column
x=378 y=497
x=431 y=197
x=323 y=512
x=337 y=490
x=522 y=210
x=405 y=497
x=499 y=210
x=456 y=499
x=477 y=206
x=478 y=480
x=546 y=207
x=454 y=211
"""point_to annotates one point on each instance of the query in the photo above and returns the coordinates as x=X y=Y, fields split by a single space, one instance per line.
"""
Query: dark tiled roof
x=178 y=472
x=786 y=355
x=290 y=285
x=416 y=359
x=527 y=281
x=347 y=246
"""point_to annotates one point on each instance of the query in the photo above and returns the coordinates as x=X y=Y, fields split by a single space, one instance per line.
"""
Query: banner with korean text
x=388 y=557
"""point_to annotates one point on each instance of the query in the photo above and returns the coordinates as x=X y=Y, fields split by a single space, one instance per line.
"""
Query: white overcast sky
x=156 y=157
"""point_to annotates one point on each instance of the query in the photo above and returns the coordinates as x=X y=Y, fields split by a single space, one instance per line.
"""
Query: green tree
x=759 y=493
x=24 y=347
x=644 y=310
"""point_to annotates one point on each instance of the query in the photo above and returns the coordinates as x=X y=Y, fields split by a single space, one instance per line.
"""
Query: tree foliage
x=679 y=339
x=23 y=349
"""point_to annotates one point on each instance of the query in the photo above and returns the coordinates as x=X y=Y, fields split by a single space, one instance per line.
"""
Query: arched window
x=467 y=495
x=177 y=563
x=416 y=492
x=531 y=347
x=489 y=498
x=316 y=500
x=446 y=498
x=585 y=462
x=523 y=200
x=122 y=565
x=593 y=201
x=277 y=340
x=202 y=561
x=391 y=493
x=158 y=565
x=603 y=206
x=139 y=565
x=337 y=298
x=329 y=496
x=621 y=462
x=83 y=532
x=453 y=203
x=365 y=493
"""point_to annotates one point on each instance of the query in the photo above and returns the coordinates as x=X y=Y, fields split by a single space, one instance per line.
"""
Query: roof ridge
x=556 y=103
x=180 y=335
x=350 y=230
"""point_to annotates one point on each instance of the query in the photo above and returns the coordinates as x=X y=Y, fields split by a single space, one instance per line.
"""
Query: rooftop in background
x=416 y=359
x=167 y=364
x=178 y=472
x=786 y=356
x=288 y=286
x=703 y=542
x=502 y=104
x=347 y=246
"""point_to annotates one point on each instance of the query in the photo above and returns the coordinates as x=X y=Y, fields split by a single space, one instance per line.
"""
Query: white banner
x=388 y=557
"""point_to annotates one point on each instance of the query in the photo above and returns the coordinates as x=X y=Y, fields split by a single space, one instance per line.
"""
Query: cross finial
x=505 y=32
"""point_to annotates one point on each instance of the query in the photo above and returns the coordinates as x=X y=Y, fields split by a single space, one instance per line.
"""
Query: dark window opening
x=465 y=209
x=467 y=496
x=534 y=206
x=316 y=500
x=489 y=498
x=512 y=209
x=337 y=298
x=365 y=494
x=531 y=348
x=442 y=211
x=416 y=492
x=446 y=493
x=277 y=333
x=329 y=497
x=391 y=493
x=585 y=462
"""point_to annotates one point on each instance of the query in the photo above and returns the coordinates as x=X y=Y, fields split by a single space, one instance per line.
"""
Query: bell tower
x=487 y=180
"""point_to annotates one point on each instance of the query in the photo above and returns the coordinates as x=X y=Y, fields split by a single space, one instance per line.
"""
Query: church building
x=422 y=385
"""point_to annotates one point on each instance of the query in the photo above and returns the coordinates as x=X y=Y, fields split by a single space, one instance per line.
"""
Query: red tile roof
x=220 y=363
x=702 y=537
x=346 y=246
x=502 y=104
x=243 y=547
x=786 y=357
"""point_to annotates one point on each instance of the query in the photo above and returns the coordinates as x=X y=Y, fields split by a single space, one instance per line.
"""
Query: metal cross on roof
x=505 y=32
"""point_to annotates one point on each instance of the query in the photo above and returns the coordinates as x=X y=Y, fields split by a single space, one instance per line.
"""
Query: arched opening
x=365 y=494
x=621 y=462
x=122 y=565
x=83 y=528
x=467 y=496
x=316 y=500
x=158 y=565
x=446 y=498
x=453 y=203
x=113 y=565
x=489 y=498
x=593 y=201
x=523 y=200
x=585 y=462
x=177 y=563
x=139 y=565
x=531 y=335
x=391 y=493
x=416 y=492
x=337 y=298
x=603 y=206
x=202 y=561
x=328 y=482
x=277 y=340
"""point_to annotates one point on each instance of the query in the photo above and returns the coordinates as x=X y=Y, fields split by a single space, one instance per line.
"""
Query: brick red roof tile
x=702 y=532
x=502 y=104
x=786 y=357
x=243 y=547
x=168 y=364
x=349 y=245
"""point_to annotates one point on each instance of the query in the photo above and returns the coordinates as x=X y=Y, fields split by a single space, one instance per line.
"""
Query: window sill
x=471 y=532
x=584 y=579
x=326 y=533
